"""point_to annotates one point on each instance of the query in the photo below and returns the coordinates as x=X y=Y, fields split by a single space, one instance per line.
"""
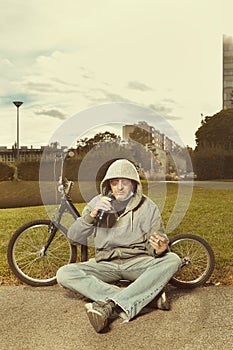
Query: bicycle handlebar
x=64 y=186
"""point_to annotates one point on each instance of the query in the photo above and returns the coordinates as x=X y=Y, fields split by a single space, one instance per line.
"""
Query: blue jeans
x=148 y=275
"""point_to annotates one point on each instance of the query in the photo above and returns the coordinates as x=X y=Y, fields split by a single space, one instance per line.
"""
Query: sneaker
x=99 y=314
x=162 y=302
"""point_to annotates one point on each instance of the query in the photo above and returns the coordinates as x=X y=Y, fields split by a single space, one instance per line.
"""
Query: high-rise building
x=227 y=88
x=128 y=129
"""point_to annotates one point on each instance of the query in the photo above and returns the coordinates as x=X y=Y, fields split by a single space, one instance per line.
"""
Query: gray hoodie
x=124 y=232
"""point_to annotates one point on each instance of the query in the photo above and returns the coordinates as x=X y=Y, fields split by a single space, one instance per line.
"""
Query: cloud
x=54 y=113
x=38 y=87
x=110 y=96
x=100 y=95
x=164 y=110
x=169 y=100
x=87 y=74
x=62 y=82
x=160 y=108
x=137 y=85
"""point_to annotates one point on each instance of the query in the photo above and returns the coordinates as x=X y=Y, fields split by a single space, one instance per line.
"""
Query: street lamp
x=17 y=104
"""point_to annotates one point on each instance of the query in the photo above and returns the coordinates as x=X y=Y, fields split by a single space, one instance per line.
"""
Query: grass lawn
x=209 y=215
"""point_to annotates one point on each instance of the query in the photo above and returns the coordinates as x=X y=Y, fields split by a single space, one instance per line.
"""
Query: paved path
x=214 y=185
x=54 y=318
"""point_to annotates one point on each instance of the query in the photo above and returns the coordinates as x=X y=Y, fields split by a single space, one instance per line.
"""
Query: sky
x=62 y=58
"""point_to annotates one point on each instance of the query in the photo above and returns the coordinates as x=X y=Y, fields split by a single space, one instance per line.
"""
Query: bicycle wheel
x=197 y=260
x=27 y=257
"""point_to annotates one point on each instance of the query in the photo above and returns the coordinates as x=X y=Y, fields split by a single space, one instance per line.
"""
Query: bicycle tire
x=197 y=257
x=27 y=260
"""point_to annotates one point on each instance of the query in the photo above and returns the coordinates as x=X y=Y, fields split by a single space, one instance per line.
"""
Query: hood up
x=121 y=168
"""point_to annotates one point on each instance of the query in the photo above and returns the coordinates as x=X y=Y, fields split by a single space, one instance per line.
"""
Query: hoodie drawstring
x=131 y=218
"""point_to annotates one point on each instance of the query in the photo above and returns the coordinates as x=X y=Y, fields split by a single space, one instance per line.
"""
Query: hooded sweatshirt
x=124 y=231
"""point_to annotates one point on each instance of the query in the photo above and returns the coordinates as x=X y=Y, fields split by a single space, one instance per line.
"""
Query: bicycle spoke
x=56 y=257
x=31 y=261
x=195 y=257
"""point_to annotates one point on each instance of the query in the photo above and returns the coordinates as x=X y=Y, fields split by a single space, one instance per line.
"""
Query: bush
x=212 y=167
x=28 y=171
x=35 y=171
x=6 y=172
x=228 y=167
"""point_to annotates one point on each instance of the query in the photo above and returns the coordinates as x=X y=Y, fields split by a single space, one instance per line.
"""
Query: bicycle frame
x=65 y=206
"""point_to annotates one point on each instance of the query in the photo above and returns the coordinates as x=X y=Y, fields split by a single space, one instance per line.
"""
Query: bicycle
x=39 y=248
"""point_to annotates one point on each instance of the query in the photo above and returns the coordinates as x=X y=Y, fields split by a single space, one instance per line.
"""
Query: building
x=227 y=71
x=153 y=137
x=168 y=153
x=28 y=154
x=129 y=129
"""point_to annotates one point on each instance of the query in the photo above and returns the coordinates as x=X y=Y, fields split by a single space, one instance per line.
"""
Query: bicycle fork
x=52 y=229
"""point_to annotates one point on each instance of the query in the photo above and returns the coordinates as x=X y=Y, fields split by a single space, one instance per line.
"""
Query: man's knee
x=60 y=274
x=174 y=260
x=64 y=274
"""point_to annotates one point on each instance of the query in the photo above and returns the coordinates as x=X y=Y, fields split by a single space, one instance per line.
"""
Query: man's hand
x=160 y=244
x=103 y=204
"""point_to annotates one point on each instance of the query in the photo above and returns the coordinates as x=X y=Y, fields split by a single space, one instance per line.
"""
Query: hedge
x=212 y=167
x=6 y=172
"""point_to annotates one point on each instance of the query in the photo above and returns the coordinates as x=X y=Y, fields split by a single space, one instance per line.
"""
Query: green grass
x=209 y=215
x=10 y=220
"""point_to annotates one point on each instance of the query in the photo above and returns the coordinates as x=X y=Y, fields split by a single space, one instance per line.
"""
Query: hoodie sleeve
x=84 y=226
x=154 y=220
x=155 y=224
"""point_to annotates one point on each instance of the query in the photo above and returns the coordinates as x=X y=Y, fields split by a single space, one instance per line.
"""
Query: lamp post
x=17 y=104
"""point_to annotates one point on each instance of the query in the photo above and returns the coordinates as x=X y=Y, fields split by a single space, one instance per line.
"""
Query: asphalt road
x=55 y=318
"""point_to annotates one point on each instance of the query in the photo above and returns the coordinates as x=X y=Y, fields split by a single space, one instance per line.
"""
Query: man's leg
x=149 y=275
x=90 y=279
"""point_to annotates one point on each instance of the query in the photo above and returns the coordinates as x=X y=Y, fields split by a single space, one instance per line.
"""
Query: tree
x=216 y=130
x=54 y=145
x=86 y=144
x=213 y=156
x=140 y=135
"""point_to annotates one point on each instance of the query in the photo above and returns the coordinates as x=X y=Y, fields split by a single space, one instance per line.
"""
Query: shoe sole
x=96 y=319
x=162 y=302
x=88 y=306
